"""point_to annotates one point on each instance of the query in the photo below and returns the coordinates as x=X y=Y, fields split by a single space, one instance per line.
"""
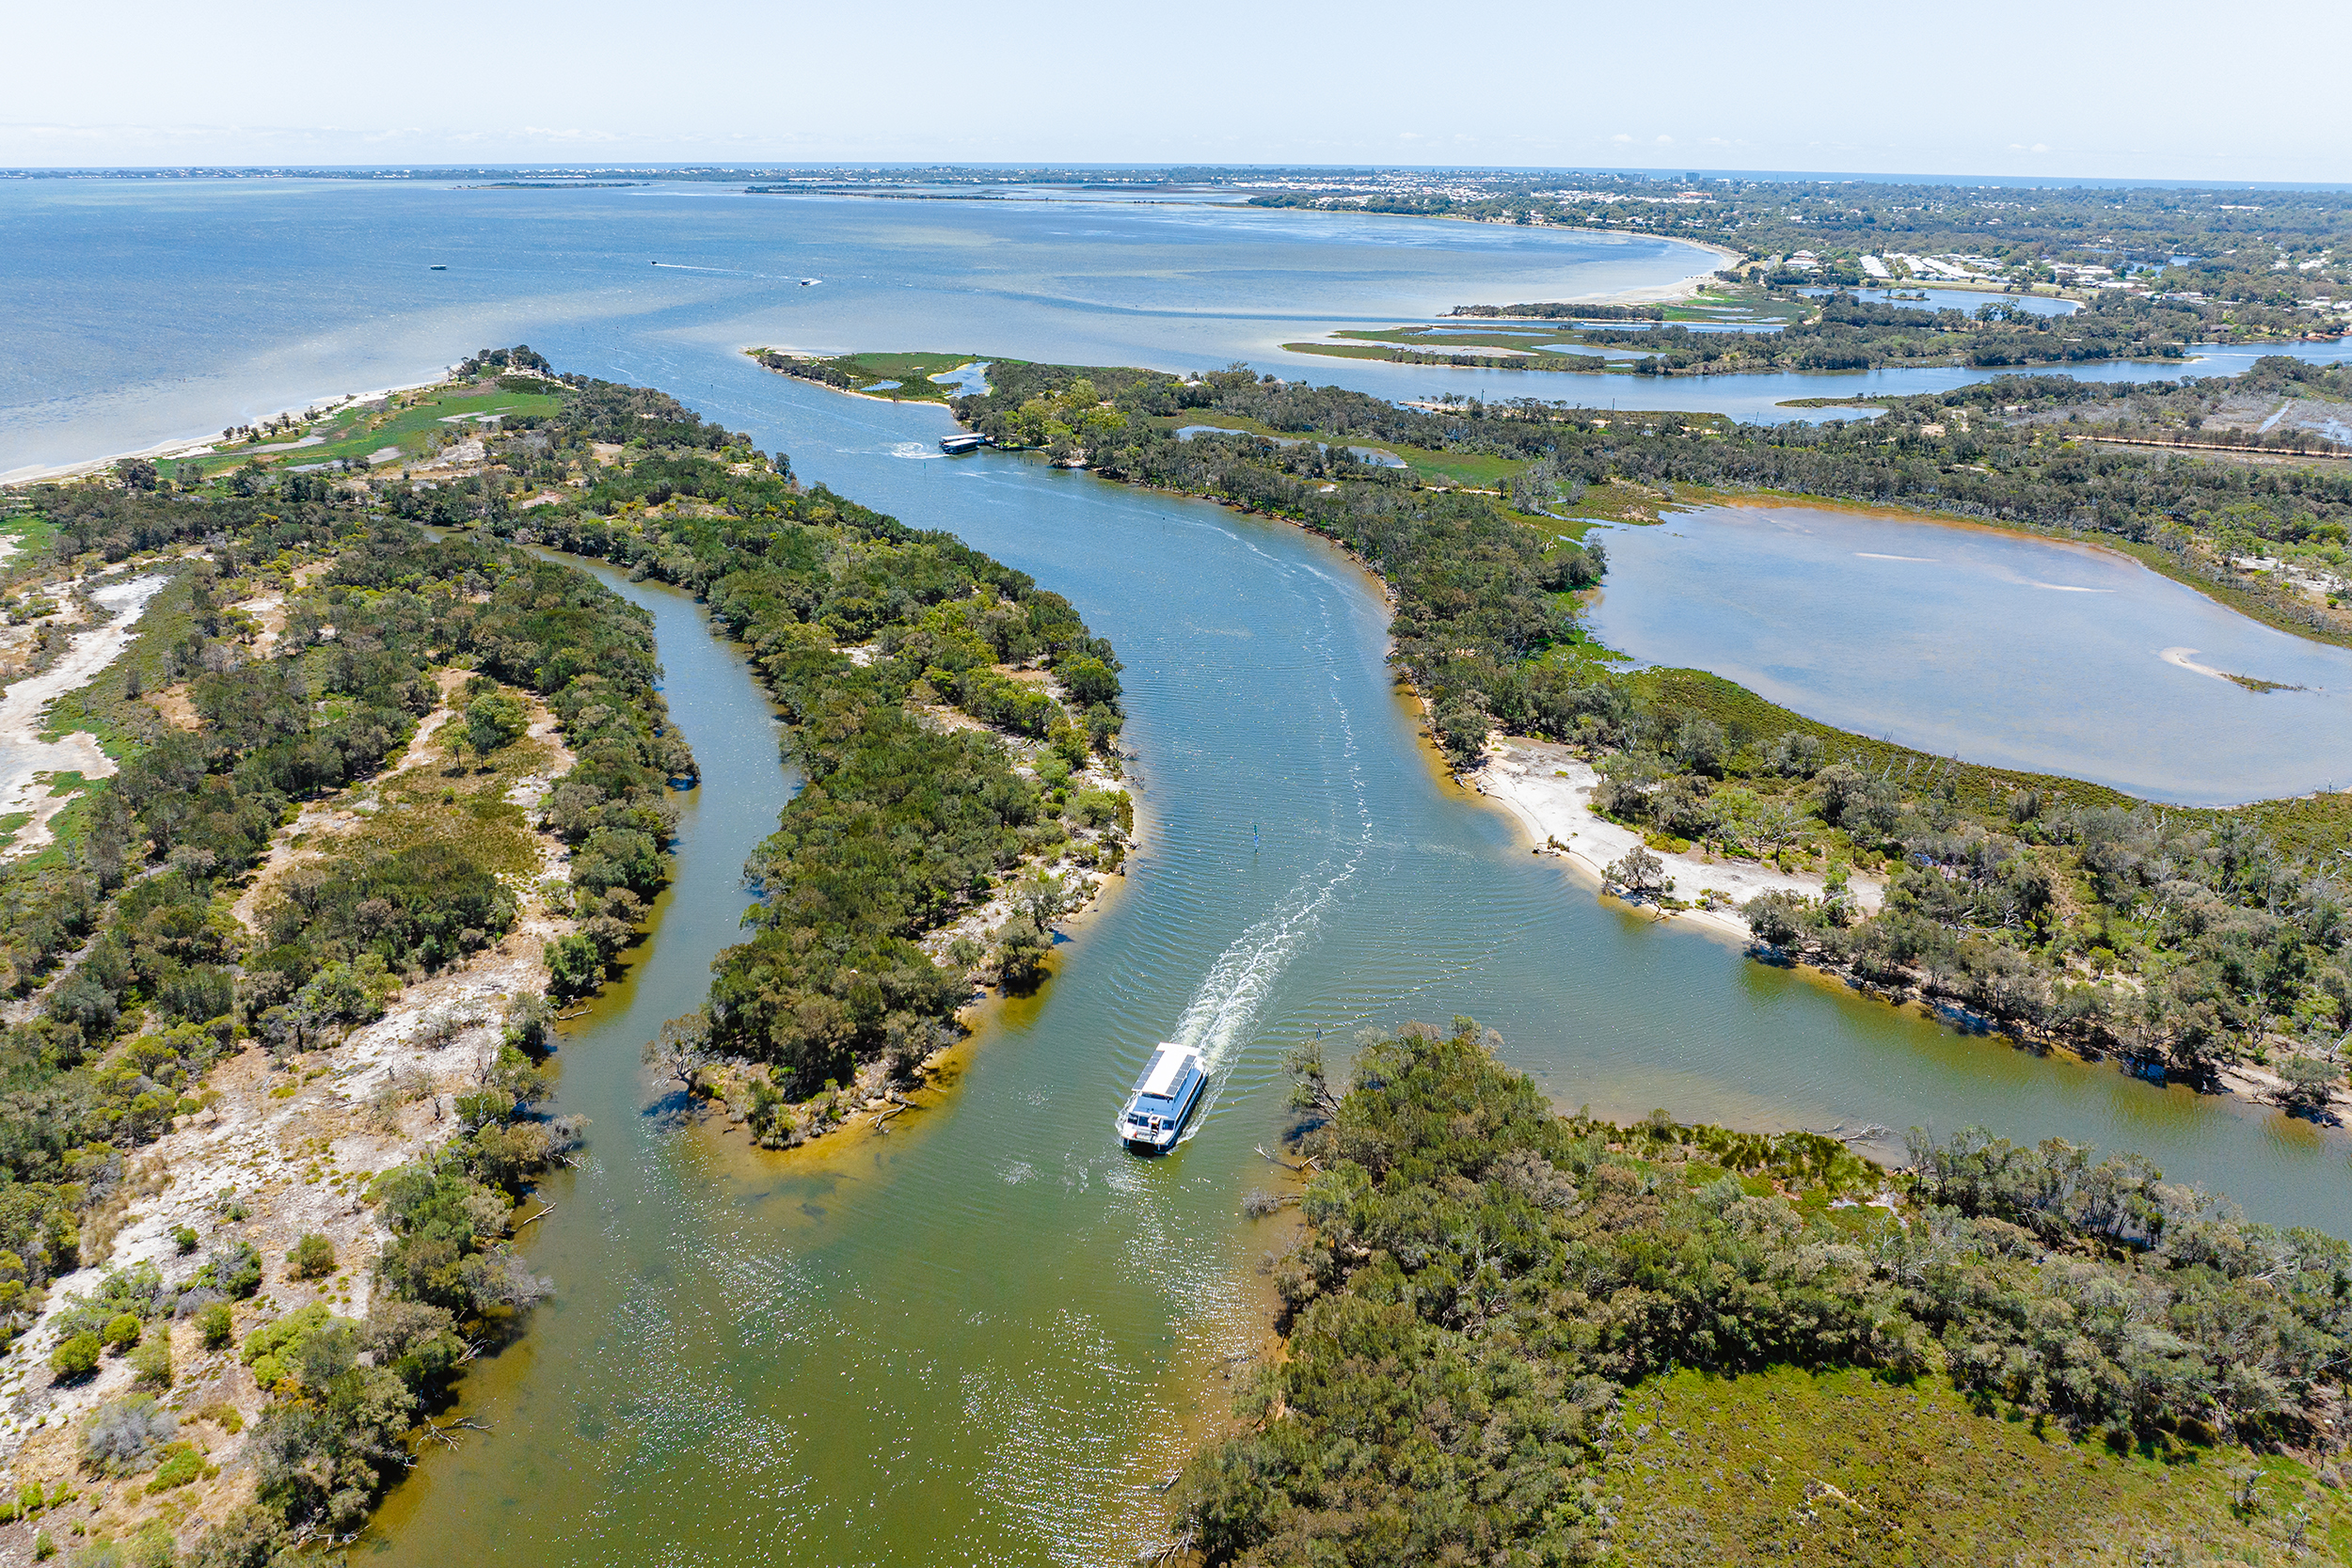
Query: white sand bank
x=1550 y=791
x=27 y=761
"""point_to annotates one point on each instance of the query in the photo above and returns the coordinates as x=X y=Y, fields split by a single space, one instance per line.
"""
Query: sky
x=2149 y=91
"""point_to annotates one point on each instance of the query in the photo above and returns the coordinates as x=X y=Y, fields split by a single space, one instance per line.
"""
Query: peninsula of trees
x=366 y=747
x=2182 y=941
x=1515 y=1336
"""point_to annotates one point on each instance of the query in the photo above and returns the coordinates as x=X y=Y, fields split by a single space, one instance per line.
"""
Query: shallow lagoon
x=2019 y=651
x=145 y=311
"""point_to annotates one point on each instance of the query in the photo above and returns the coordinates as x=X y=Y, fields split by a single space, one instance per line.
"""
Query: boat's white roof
x=1167 y=1069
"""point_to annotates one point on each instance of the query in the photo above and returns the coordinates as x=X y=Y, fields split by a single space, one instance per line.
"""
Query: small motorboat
x=810 y=282
x=439 y=267
x=1164 y=1099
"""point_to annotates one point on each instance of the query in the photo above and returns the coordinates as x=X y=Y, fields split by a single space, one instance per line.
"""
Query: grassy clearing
x=123 y=724
x=1446 y=351
x=900 y=377
x=437 y=799
x=913 y=371
x=1794 y=1467
x=1463 y=470
x=407 y=421
x=30 y=533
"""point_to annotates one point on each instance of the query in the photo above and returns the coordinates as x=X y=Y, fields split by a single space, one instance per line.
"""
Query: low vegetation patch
x=1495 y=1311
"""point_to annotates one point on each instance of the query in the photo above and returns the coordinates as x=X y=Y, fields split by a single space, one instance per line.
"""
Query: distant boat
x=440 y=266
x=1164 y=1096
x=810 y=282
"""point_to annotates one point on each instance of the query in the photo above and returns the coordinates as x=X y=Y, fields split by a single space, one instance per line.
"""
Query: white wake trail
x=1223 y=1010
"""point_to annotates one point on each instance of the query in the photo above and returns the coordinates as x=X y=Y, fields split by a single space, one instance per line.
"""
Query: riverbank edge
x=1495 y=780
x=264 y=1135
x=722 y=1087
x=2254 y=1084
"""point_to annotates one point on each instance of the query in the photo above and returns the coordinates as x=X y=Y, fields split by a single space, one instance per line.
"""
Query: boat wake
x=1238 y=983
x=1225 y=1007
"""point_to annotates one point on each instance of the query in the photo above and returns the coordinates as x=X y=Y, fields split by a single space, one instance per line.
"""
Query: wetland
x=991 y=1333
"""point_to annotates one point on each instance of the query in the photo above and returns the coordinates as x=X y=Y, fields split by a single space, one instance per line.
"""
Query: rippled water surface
x=142 y=312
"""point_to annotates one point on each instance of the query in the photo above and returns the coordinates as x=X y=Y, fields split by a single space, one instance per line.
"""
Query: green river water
x=991 y=1336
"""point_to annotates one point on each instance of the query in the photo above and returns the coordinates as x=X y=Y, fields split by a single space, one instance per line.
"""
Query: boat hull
x=1154 y=1119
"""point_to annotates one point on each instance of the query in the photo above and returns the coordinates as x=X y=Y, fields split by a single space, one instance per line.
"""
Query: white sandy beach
x=26 y=761
x=1550 y=790
x=195 y=446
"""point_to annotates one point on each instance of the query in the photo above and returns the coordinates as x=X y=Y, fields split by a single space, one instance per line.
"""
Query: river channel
x=989 y=1336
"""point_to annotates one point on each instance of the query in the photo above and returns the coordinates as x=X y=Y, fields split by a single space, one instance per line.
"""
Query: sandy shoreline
x=1550 y=790
x=1654 y=294
x=190 y=446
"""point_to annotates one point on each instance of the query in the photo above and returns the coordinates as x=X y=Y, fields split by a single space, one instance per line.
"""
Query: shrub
x=121 y=1331
x=125 y=1435
x=234 y=1269
x=574 y=967
x=495 y=720
x=182 y=1464
x=313 y=1257
x=183 y=1237
x=270 y=1339
x=76 y=1357
x=217 y=1325
x=151 y=1361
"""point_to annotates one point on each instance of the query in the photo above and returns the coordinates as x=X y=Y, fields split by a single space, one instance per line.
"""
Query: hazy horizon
x=2002 y=91
x=655 y=167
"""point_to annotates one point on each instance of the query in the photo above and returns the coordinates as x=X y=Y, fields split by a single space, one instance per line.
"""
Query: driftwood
x=540 y=1215
x=463 y=1423
x=1173 y=1550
